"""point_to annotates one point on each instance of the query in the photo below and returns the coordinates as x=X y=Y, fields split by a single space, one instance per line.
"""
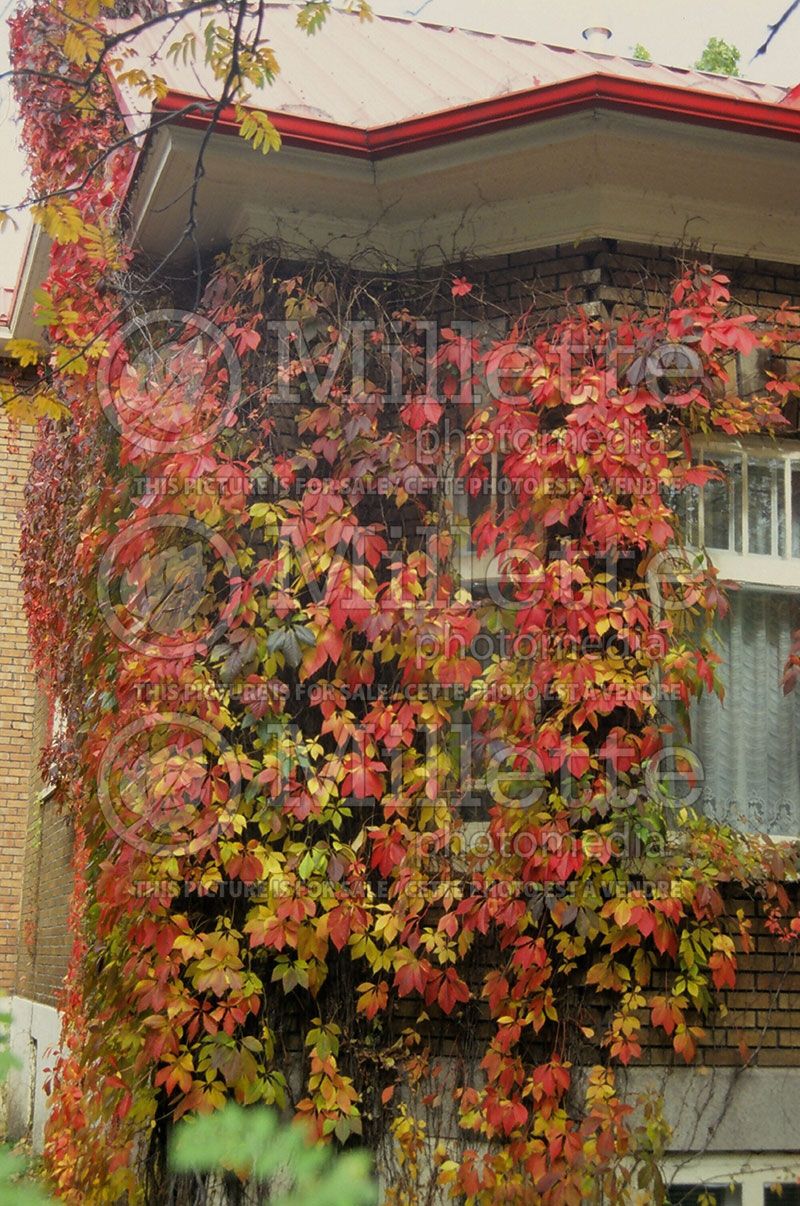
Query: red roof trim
x=295 y=131
x=513 y=109
x=792 y=97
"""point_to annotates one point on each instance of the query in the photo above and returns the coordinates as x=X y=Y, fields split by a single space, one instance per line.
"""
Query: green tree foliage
x=720 y=57
x=642 y=53
x=15 y=1190
x=255 y=1143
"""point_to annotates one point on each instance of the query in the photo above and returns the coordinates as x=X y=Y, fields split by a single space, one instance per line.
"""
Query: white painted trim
x=33 y=270
x=34 y=1038
x=753 y=569
x=752 y=1174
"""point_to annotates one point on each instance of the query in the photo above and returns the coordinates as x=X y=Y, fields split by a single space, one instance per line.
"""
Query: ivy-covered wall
x=598 y=271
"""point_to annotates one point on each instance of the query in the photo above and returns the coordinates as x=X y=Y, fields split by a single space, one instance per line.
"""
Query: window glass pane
x=717 y=515
x=701 y=1195
x=750 y=371
x=486 y=498
x=766 y=510
x=796 y=510
x=722 y=507
x=686 y=505
x=465 y=756
x=749 y=744
x=465 y=747
x=789 y=1195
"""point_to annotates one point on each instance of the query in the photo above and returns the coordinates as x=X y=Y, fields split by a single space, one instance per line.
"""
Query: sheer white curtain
x=749 y=744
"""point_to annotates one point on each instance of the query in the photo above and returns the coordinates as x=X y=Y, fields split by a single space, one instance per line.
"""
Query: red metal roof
x=367 y=74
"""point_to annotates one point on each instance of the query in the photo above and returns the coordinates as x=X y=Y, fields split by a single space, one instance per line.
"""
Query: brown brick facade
x=17 y=703
x=44 y=941
x=35 y=840
x=759 y=1021
x=608 y=272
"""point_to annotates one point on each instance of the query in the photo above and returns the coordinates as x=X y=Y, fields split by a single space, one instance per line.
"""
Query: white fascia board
x=34 y=267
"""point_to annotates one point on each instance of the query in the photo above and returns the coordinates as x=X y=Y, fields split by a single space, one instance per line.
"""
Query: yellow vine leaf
x=154 y=87
x=20 y=409
x=257 y=129
x=44 y=310
x=29 y=408
x=96 y=349
x=184 y=49
x=101 y=244
x=26 y=351
x=362 y=9
x=48 y=406
x=60 y=219
x=69 y=361
x=85 y=10
x=314 y=13
x=83 y=44
x=312 y=16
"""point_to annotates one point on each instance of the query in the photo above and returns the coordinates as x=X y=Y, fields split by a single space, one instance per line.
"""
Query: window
x=472 y=755
x=751 y=372
x=703 y=1195
x=748 y=744
x=750 y=522
x=733 y=1179
x=59 y=721
x=476 y=570
x=782 y=1194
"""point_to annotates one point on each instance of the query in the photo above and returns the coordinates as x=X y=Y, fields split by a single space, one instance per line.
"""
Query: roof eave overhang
x=504 y=112
x=517 y=109
x=19 y=323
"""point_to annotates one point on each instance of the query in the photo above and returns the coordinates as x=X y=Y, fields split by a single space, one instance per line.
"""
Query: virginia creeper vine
x=302 y=912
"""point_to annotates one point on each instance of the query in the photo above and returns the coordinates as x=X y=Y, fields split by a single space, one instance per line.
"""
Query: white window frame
x=754 y=569
x=473 y=567
x=765 y=571
x=751 y=1174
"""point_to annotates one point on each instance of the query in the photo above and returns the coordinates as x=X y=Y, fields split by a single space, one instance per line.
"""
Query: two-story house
x=550 y=175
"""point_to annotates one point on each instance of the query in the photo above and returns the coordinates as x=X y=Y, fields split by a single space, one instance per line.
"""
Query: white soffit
x=593 y=173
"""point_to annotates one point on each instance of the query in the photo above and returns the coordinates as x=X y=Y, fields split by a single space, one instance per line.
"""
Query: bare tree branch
x=774 y=29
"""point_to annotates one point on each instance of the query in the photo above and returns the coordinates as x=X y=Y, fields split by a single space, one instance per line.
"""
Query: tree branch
x=774 y=29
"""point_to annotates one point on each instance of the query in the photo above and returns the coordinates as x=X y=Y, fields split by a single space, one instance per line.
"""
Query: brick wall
x=608 y=272
x=44 y=940
x=759 y=1021
x=17 y=703
x=35 y=840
